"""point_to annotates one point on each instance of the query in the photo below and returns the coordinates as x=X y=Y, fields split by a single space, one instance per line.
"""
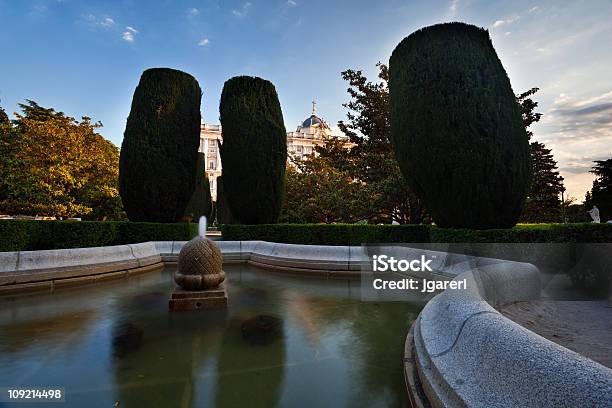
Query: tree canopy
x=157 y=171
x=601 y=192
x=456 y=128
x=543 y=202
x=254 y=150
x=52 y=164
x=360 y=182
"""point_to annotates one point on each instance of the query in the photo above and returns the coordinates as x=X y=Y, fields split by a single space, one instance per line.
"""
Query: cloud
x=243 y=10
x=507 y=21
x=581 y=165
x=453 y=6
x=291 y=3
x=578 y=120
x=107 y=22
x=94 y=21
x=129 y=34
x=203 y=42
x=193 y=12
x=534 y=8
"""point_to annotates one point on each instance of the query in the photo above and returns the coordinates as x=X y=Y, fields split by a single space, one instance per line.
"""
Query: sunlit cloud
x=243 y=11
x=129 y=34
x=203 y=42
x=505 y=22
x=193 y=12
x=99 y=22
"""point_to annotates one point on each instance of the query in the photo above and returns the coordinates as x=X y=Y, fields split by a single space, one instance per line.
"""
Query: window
x=299 y=149
x=212 y=184
x=211 y=166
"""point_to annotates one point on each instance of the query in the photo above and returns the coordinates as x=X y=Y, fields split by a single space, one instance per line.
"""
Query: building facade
x=313 y=131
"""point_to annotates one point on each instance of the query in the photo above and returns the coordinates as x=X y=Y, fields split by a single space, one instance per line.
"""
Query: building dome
x=313 y=120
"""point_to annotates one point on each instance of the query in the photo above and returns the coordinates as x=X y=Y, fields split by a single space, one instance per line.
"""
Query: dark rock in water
x=126 y=338
x=262 y=329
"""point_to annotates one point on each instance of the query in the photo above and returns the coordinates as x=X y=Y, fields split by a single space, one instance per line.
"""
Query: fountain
x=200 y=275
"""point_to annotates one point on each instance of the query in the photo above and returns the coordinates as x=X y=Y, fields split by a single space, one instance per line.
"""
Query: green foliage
x=456 y=127
x=254 y=150
x=54 y=165
x=320 y=192
x=545 y=233
x=601 y=193
x=357 y=182
x=543 y=202
x=326 y=234
x=354 y=234
x=224 y=213
x=200 y=203
x=213 y=213
x=371 y=159
x=29 y=235
x=160 y=144
x=3 y=116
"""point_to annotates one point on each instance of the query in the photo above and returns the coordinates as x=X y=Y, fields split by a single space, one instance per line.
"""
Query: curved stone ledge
x=28 y=271
x=466 y=354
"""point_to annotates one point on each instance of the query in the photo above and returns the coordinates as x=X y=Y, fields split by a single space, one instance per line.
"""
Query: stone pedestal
x=182 y=299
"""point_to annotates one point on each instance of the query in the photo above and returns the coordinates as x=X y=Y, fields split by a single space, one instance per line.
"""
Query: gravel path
x=582 y=326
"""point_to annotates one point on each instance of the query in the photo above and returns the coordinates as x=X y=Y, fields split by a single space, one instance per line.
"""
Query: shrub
x=200 y=203
x=326 y=234
x=254 y=150
x=224 y=214
x=456 y=127
x=29 y=235
x=159 y=151
x=354 y=234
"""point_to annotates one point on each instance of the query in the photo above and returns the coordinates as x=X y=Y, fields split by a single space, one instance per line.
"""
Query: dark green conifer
x=456 y=127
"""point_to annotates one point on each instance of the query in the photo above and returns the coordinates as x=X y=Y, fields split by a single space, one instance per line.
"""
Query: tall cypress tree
x=224 y=214
x=159 y=151
x=456 y=127
x=200 y=203
x=254 y=150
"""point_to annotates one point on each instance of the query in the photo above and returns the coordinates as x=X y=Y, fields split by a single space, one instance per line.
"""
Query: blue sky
x=85 y=57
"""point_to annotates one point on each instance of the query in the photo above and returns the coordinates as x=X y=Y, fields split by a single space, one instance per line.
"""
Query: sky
x=85 y=57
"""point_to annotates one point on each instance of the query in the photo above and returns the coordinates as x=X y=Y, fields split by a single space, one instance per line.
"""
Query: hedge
x=582 y=251
x=29 y=235
x=351 y=234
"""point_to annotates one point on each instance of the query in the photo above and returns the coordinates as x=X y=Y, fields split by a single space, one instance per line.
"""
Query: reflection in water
x=127 y=338
x=261 y=329
x=283 y=341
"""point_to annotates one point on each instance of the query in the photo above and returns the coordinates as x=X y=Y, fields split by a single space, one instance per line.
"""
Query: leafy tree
x=4 y=119
x=543 y=203
x=51 y=164
x=319 y=192
x=159 y=151
x=360 y=183
x=200 y=203
x=254 y=149
x=456 y=127
x=371 y=158
x=601 y=192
